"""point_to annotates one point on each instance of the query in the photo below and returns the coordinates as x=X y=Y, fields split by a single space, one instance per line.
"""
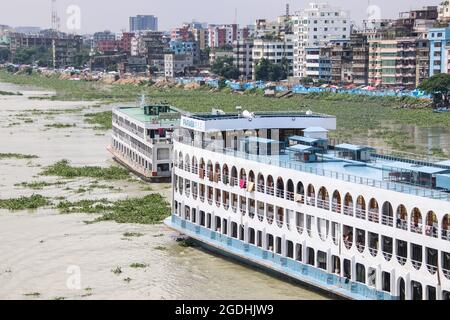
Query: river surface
x=46 y=255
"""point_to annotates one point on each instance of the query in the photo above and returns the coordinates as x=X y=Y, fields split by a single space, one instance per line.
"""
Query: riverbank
x=404 y=124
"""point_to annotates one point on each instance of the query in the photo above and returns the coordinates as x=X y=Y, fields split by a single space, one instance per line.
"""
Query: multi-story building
x=201 y=36
x=314 y=27
x=275 y=51
x=152 y=46
x=444 y=11
x=176 y=65
x=341 y=62
x=124 y=44
x=242 y=58
x=392 y=63
x=360 y=59
x=439 y=39
x=104 y=36
x=348 y=219
x=180 y=47
x=221 y=35
x=142 y=139
x=423 y=58
x=143 y=23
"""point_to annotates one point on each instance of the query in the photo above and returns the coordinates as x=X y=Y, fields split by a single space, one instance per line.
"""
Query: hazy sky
x=98 y=15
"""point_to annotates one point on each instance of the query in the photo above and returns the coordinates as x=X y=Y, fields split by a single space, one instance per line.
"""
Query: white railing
x=445 y=235
x=202 y=198
x=387 y=220
x=432 y=269
x=401 y=260
x=270 y=219
x=431 y=231
x=300 y=198
x=234 y=208
x=336 y=207
x=335 y=240
x=225 y=179
x=251 y=212
x=360 y=213
x=416 y=264
x=233 y=181
x=446 y=273
x=387 y=255
x=280 y=193
x=210 y=201
x=402 y=224
x=374 y=216
x=279 y=223
x=260 y=188
x=270 y=191
x=288 y=225
x=348 y=210
x=300 y=229
x=226 y=206
x=360 y=247
x=416 y=228
x=311 y=201
x=243 y=211
x=323 y=204
x=289 y=196
x=309 y=231
x=348 y=244
x=195 y=169
x=218 y=203
x=373 y=251
x=261 y=216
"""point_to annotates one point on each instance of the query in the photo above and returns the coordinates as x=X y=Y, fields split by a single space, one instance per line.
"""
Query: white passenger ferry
x=271 y=190
x=142 y=139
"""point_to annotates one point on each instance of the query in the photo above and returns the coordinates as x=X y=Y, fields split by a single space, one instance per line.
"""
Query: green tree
x=82 y=58
x=41 y=56
x=224 y=67
x=268 y=71
x=5 y=54
x=439 y=87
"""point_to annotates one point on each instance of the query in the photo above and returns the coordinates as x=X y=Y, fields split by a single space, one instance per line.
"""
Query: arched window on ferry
x=234 y=177
x=194 y=165
x=347 y=236
x=401 y=289
x=416 y=221
x=242 y=179
x=261 y=183
x=251 y=181
x=360 y=208
x=431 y=227
x=387 y=217
x=336 y=205
x=290 y=190
x=217 y=172
x=374 y=211
x=348 y=205
x=323 y=199
x=210 y=171
x=270 y=186
x=280 y=217
x=180 y=161
x=225 y=174
x=402 y=218
x=311 y=196
x=444 y=228
x=300 y=193
x=187 y=163
x=201 y=169
x=280 y=187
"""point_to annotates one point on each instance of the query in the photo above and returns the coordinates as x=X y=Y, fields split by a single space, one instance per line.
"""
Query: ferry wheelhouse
x=270 y=189
x=142 y=139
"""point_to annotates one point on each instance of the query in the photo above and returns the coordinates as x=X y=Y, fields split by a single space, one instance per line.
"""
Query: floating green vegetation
x=138 y=265
x=117 y=270
x=102 y=120
x=17 y=156
x=23 y=203
x=150 y=209
x=8 y=93
x=133 y=234
x=32 y=294
x=187 y=243
x=38 y=185
x=60 y=125
x=65 y=170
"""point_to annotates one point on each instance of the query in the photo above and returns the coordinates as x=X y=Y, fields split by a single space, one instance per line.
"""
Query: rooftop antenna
x=287 y=10
x=55 y=18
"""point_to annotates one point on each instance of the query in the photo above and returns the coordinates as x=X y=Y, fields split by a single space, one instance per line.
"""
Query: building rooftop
x=171 y=116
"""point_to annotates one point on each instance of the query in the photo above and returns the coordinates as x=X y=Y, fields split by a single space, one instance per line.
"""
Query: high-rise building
x=242 y=58
x=439 y=40
x=314 y=27
x=142 y=23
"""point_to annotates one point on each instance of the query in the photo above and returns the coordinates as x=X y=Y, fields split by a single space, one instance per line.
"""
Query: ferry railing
x=348 y=210
x=416 y=228
x=348 y=244
x=336 y=207
x=401 y=260
x=251 y=212
x=280 y=193
x=335 y=240
x=431 y=231
x=402 y=224
x=195 y=169
x=387 y=255
x=288 y=225
x=279 y=223
x=416 y=264
x=445 y=235
x=446 y=273
x=300 y=229
x=323 y=204
x=187 y=167
x=260 y=188
x=202 y=198
x=311 y=201
x=374 y=216
x=431 y=268
x=373 y=251
x=261 y=215
x=360 y=213
x=233 y=181
x=210 y=200
x=290 y=164
x=243 y=210
x=387 y=220
x=299 y=198
x=218 y=203
x=270 y=191
x=226 y=206
x=309 y=231
x=289 y=196
x=234 y=208
x=360 y=247
x=270 y=219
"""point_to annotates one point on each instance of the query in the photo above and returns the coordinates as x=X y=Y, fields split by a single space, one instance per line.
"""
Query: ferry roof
x=261 y=120
x=416 y=168
x=306 y=139
x=352 y=147
x=301 y=148
x=259 y=140
x=137 y=113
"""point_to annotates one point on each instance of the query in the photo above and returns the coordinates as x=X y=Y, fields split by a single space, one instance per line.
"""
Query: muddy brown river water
x=46 y=255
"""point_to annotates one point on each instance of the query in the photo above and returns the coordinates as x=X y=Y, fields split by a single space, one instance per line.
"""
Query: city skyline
x=115 y=17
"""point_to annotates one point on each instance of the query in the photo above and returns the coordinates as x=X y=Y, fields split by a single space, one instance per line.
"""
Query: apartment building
x=392 y=62
x=143 y=23
x=242 y=58
x=439 y=39
x=176 y=64
x=274 y=51
x=314 y=27
x=444 y=12
x=360 y=56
